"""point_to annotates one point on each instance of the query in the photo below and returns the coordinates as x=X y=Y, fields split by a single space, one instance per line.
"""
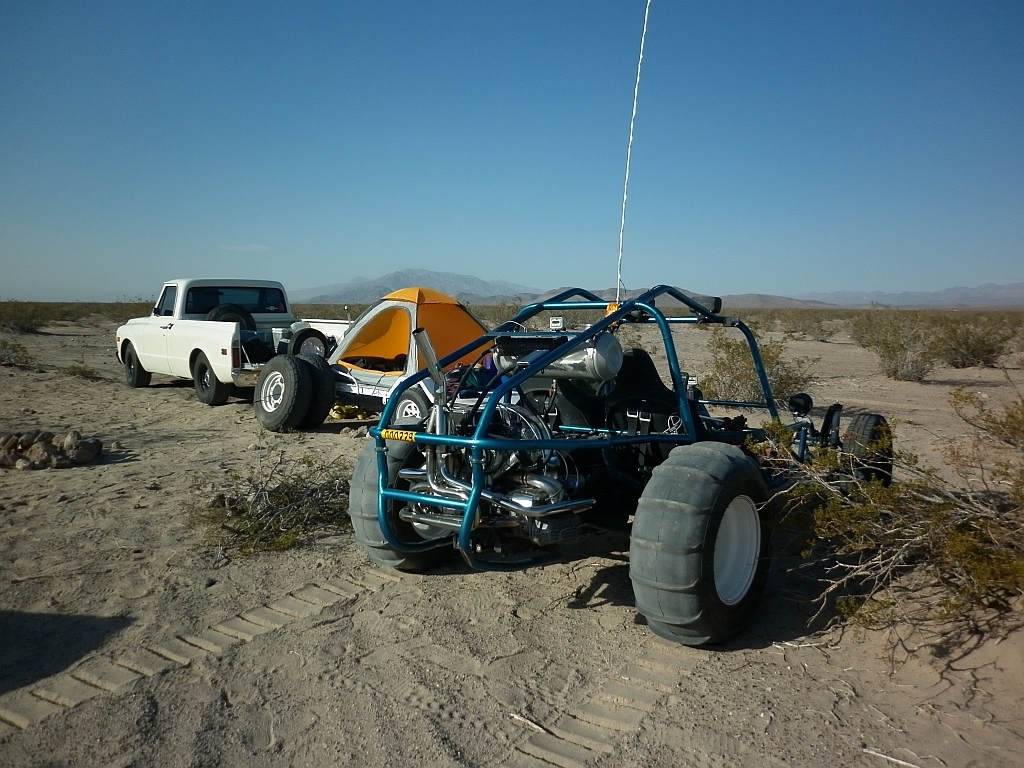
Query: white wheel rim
x=273 y=392
x=407 y=409
x=737 y=549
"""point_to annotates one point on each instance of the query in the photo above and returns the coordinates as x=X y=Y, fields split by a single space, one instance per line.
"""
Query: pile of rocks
x=42 y=450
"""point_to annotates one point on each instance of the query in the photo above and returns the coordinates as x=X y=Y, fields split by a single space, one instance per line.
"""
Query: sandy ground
x=352 y=665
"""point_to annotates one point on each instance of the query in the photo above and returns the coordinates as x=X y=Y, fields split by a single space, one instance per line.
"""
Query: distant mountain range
x=988 y=295
x=473 y=290
x=465 y=288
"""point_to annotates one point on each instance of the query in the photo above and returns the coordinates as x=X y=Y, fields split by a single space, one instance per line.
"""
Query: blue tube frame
x=641 y=309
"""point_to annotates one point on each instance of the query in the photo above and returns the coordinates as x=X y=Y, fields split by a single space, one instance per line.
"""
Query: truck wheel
x=322 y=398
x=134 y=374
x=868 y=440
x=232 y=313
x=208 y=389
x=700 y=549
x=309 y=341
x=412 y=405
x=282 y=393
x=362 y=508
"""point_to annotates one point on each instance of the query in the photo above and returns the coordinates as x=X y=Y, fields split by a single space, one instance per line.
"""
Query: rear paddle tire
x=700 y=548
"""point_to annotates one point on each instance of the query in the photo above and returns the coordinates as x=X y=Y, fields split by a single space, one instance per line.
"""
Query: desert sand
x=319 y=658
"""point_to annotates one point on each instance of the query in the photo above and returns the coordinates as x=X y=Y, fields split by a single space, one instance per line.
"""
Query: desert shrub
x=81 y=370
x=276 y=505
x=1005 y=422
x=15 y=353
x=815 y=324
x=943 y=559
x=495 y=314
x=30 y=316
x=902 y=340
x=968 y=340
x=732 y=375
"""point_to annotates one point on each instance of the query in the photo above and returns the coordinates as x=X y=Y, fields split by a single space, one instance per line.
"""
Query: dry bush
x=30 y=316
x=496 y=314
x=15 y=353
x=901 y=339
x=943 y=559
x=966 y=340
x=276 y=505
x=732 y=375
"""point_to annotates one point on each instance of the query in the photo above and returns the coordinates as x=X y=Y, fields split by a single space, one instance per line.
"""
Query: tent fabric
x=382 y=340
x=421 y=296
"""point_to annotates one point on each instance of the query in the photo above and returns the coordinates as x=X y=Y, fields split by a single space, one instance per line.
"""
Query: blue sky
x=779 y=147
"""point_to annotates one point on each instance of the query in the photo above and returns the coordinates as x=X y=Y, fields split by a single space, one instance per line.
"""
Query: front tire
x=282 y=393
x=868 y=440
x=208 y=389
x=134 y=374
x=362 y=509
x=700 y=547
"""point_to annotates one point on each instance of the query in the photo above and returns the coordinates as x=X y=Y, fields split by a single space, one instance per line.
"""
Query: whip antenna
x=629 y=149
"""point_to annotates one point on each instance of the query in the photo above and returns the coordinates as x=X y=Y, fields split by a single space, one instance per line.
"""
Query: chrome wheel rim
x=272 y=394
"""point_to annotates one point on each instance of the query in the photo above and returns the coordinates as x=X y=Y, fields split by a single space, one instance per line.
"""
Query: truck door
x=153 y=352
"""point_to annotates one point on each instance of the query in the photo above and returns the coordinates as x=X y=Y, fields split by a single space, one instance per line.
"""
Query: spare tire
x=282 y=393
x=309 y=341
x=322 y=398
x=232 y=313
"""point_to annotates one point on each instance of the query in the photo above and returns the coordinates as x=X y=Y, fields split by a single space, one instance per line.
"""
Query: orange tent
x=380 y=339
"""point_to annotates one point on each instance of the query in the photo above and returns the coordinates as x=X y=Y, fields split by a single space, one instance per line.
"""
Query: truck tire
x=282 y=393
x=321 y=399
x=134 y=374
x=232 y=313
x=700 y=548
x=208 y=389
x=413 y=405
x=868 y=440
x=309 y=341
x=362 y=509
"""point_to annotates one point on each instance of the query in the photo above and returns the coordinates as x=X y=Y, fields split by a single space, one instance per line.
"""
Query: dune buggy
x=554 y=431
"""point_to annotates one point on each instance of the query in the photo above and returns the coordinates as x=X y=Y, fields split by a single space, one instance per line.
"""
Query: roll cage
x=642 y=309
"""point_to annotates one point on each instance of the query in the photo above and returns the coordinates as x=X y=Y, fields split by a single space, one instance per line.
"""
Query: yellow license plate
x=405 y=435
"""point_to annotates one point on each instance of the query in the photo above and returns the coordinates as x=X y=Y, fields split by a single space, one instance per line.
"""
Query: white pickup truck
x=224 y=333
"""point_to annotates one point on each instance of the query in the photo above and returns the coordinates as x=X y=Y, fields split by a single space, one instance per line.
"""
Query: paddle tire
x=282 y=393
x=868 y=440
x=362 y=509
x=700 y=546
x=321 y=399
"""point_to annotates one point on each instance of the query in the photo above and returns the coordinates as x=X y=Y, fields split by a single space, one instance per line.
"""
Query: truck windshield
x=201 y=299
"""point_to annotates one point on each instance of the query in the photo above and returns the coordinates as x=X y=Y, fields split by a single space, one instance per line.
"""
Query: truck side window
x=165 y=307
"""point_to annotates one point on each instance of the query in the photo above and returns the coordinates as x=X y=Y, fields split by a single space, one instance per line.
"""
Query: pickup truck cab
x=219 y=333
